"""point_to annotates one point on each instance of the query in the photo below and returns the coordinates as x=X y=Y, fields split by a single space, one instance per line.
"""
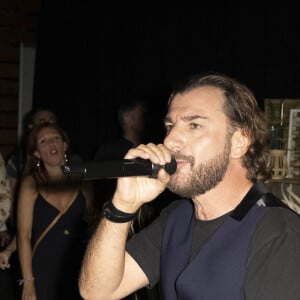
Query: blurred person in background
x=7 y=246
x=132 y=120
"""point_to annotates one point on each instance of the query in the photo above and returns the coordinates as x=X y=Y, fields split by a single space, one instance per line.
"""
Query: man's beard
x=205 y=177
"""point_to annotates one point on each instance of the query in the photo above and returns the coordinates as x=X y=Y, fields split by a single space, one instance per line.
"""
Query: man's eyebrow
x=193 y=117
x=167 y=120
x=185 y=118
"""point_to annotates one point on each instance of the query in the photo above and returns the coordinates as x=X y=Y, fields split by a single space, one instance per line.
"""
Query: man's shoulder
x=283 y=217
x=278 y=221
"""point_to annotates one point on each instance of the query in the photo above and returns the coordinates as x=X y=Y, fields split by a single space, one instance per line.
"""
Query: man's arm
x=108 y=271
x=273 y=267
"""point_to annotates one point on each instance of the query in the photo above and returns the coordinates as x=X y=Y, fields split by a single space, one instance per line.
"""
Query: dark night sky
x=91 y=58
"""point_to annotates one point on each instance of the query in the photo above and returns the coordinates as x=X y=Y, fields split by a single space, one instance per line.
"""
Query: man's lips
x=181 y=162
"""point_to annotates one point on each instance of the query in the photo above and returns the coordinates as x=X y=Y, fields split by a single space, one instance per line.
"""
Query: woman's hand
x=28 y=292
x=4 y=259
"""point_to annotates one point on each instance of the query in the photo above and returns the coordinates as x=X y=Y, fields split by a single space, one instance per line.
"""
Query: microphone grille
x=171 y=166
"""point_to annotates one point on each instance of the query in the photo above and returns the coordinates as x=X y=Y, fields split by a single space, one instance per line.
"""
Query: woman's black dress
x=57 y=260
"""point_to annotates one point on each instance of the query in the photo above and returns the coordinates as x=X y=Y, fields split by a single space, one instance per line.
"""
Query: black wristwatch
x=111 y=213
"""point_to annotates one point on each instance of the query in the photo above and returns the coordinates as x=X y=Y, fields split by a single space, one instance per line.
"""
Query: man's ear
x=240 y=143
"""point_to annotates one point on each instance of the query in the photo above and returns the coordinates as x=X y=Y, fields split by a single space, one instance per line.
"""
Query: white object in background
x=290 y=198
x=293 y=151
x=278 y=163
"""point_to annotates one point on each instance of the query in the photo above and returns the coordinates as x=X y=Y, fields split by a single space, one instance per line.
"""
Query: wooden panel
x=14 y=37
x=9 y=87
x=8 y=70
x=9 y=104
x=10 y=54
x=18 y=20
x=8 y=120
x=10 y=136
x=22 y=5
x=18 y=24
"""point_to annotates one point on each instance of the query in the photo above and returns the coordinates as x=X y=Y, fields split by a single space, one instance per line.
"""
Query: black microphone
x=117 y=168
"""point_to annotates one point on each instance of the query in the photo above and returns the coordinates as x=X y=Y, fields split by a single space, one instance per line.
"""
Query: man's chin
x=176 y=183
x=176 y=178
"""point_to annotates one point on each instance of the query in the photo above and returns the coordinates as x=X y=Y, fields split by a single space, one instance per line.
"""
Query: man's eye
x=168 y=127
x=195 y=125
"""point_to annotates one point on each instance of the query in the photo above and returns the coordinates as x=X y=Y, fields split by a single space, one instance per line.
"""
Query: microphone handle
x=114 y=169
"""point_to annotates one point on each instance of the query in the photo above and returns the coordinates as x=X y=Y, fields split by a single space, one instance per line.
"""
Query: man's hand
x=132 y=192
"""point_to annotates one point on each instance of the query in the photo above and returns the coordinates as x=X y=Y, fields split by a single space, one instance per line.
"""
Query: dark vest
x=218 y=271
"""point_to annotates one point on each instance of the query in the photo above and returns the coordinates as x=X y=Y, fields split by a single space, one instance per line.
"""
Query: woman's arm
x=27 y=196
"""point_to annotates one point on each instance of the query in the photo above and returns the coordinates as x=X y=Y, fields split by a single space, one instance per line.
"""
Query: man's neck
x=222 y=199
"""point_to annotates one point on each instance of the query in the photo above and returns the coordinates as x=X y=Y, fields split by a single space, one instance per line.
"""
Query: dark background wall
x=89 y=58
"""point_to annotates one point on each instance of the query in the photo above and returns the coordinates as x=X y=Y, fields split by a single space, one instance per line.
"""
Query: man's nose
x=175 y=140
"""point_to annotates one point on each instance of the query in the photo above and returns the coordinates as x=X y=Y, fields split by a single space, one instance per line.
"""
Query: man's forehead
x=197 y=102
x=43 y=116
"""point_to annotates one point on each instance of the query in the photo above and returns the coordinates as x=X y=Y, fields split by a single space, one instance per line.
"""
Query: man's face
x=42 y=117
x=138 y=118
x=197 y=137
